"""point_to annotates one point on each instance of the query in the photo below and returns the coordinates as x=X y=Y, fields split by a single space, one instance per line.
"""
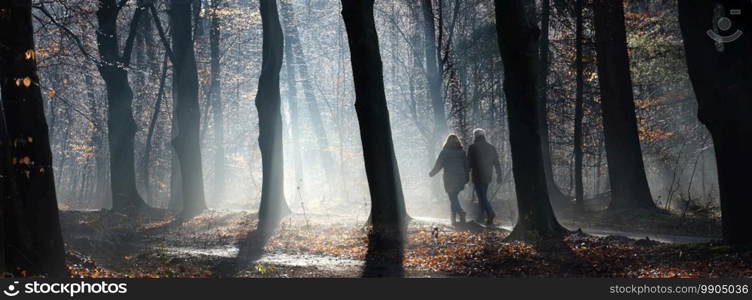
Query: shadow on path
x=385 y=255
x=250 y=250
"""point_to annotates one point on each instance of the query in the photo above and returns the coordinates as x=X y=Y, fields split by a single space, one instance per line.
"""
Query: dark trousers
x=485 y=209
x=454 y=202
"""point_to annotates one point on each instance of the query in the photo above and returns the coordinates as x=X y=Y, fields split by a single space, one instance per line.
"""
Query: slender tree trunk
x=578 y=113
x=434 y=77
x=629 y=186
x=298 y=58
x=120 y=124
x=187 y=115
x=518 y=41
x=150 y=131
x=143 y=48
x=273 y=205
x=723 y=86
x=175 y=202
x=25 y=127
x=557 y=198
x=215 y=92
x=292 y=96
x=433 y=73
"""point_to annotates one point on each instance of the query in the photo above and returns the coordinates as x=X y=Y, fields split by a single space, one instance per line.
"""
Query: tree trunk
x=145 y=51
x=215 y=92
x=120 y=124
x=373 y=116
x=13 y=237
x=578 y=113
x=102 y=192
x=387 y=200
x=518 y=41
x=629 y=186
x=723 y=86
x=8 y=194
x=434 y=78
x=273 y=205
x=187 y=115
x=433 y=74
x=298 y=58
x=27 y=142
x=150 y=131
x=292 y=96
x=557 y=198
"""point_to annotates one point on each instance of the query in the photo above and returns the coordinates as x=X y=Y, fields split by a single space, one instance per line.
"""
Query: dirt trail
x=155 y=246
x=104 y=244
x=604 y=232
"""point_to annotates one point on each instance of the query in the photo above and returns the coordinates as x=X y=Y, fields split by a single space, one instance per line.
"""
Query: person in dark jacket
x=454 y=163
x=482 y=157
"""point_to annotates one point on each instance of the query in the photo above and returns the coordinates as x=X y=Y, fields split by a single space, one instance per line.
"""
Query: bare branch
x=67 y=31
x=162 y=35
x=132 y=32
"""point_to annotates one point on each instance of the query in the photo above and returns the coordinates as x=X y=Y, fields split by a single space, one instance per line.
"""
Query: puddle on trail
x=190 y=251
x=285 y=259
x=311 y=260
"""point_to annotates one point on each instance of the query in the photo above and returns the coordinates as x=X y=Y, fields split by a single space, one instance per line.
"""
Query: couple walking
x=480 y=159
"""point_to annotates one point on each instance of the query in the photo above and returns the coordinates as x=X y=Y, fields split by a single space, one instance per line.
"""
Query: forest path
x=106 y=244
x=309 y=264
x=603 y=232
x=155 y=246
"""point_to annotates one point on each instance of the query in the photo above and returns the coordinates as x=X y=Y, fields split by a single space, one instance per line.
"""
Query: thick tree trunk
x=387 y=200
x=273 y=205
x=433 y=73
x=6 y=196
x=15 y=238
x=215 y=92
x=723 y=86
x=373 y=116
x=187 y=115
x=28 y=144
x=629 y=185
x=578 y=112
x=120 y=124
x=518 y=41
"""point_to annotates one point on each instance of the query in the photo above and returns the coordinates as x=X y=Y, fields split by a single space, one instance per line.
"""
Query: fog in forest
x=677 y=150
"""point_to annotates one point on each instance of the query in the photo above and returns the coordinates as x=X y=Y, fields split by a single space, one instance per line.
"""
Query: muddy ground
x=106 y=244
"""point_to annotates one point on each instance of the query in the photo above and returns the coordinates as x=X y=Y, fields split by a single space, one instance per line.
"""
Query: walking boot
x=490 y=220
x=462 y=217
